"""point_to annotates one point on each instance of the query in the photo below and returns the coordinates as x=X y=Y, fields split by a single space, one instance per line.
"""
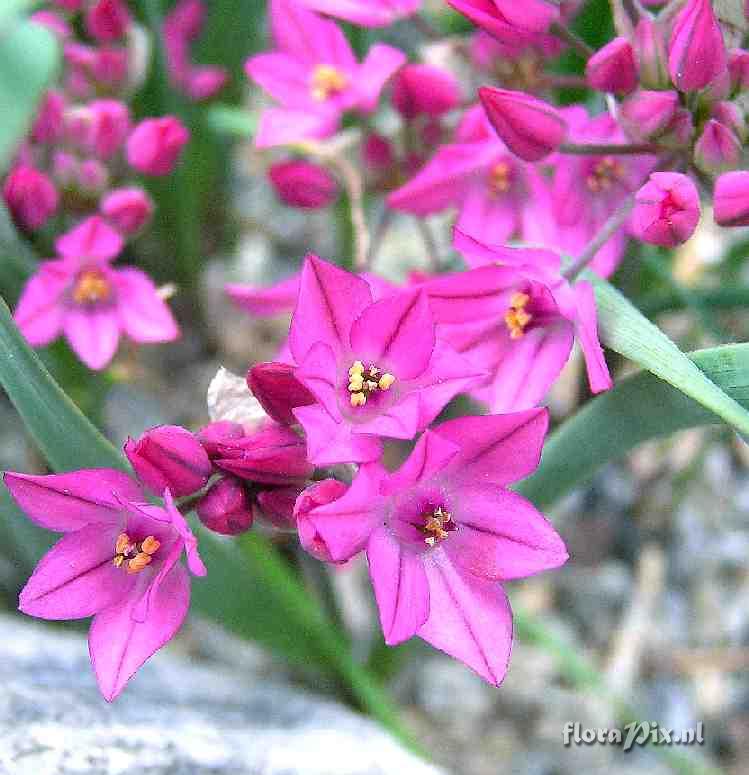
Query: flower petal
x=119 y=644
x=265 y=302
x=431 y=454
x=586 y=328
x=92 y=239
x=282 y=126
x=39 y=313
x=94 y=334
x=318 y=373
x=399 y=421
x=469 y=618
x=380 y=64
x=144 y=316
x=400 y=585
x=68 y=502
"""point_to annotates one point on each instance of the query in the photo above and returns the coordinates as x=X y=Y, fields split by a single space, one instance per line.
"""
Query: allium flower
x=107 y=20
x=155 y=145
x=314 y=76
x=303 y=184
x=696 y=52
x=516 y=317
x=119 y=561
x=731 y=199
x=375 y=367
x=667 y=209
x=424 y=90
x=81 y=296
x=443 y=530
x=367 y=13
x=490 y=186
x=30 y=195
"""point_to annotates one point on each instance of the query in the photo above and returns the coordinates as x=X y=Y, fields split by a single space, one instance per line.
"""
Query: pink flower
x=226 y=508
x=376 y=368
x=514 y=316
x=314 y=76
x=531 y=128
x=266 y=301
x=107 y=20
x=49 y=124
x=119 y=561
x=303 y=184
x=278 y=390
x=443 y=530
x=30 y=195
x=317 y=494
x=738 y=68
x=667 y=209
x=613 y=67
x=717 y=148
x=731 y=199
x=107 y=127
x=424 y=90
x=155 y=145
x=367 y=13
x=649 y=114
x=652 y=57
x=491 y=187
x=505 y=19
x=169 y=457
x=696 y=52
x=182 y=26
x=81 y=296
x=127 y=209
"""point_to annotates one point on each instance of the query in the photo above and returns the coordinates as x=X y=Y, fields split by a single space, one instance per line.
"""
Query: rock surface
x=175 y=718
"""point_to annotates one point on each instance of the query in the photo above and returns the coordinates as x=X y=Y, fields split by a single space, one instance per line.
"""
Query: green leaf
x=637 y=409
x=29 y=59
x=228 y=120
x=625 y=329
x=17 y=260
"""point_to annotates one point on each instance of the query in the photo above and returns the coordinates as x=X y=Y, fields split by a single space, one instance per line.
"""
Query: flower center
x=607 y=172
x=135 y=556
x=92 y=287
x=500 y=178
x=516 y=317
x=327 y=81
x=363 y=382
x=438 y=524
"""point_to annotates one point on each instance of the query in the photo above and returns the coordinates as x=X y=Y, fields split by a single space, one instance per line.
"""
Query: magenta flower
x=127 y=209
x=376 y=368
x=314 y=76
x=81 y=296
x=530 y=127
x=696 y=52
x=443 y=530
x=477 y=174
x=717 y=149
x=303 y=184
x=613 y=68
x=424 y=90
x=278 y=390
x=649 y=114
x=226 y=508
x=266 y=301
x=108 y=20
x=155 y=145
x=118 y=562
x=731 y=199
x=667 y=209
x=652 y=57
x=30 y=196
x=516 y=317
x=507 y=20
x=367 y=13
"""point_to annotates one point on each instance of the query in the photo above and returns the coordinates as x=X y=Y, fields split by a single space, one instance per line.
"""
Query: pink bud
x=613 y=68
x=213 y=435
x=155 y=145
x=530 y=128
x=225 y=508
x=318 y=494
x=109 y=127
x=49 y=125
x=731 y=199
x=718 y=149
x=127 y=209
x=651 y=54
x=648 y=114
x=303 y=184
x=65 y=169
x=738 y=68
x=110 y=67
x=93 y=176
x=204 y=82
x=378 y=152
x=54 y=23
x=278 y=390
x=30 y=195
x=729 y=114
x=68 y=5
x=108 y=20
x=696 y=52
x=169 y=456
x=667 y=209
x=424 y=90
x=277 y=506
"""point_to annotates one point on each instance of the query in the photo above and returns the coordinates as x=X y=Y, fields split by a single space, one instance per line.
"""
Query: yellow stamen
x=607 y=172
x=365 y=380
x=150 y=545
x=499 y=178
x=357 y=369
x=118 y=560
x=386 y=380
x=123 y=543
x=358 y=399
x=91 y=287
x=516 y=317
x=356 y=383
x=138 y=562
x=327 y=81
x=435 y=525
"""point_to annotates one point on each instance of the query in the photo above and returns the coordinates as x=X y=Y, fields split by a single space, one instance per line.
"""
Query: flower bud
x=651 y=55
x=731 y=199
x=225 y=508
x=68 y=5
x=530 y=128
x=718 y=149
x=169 y=456
x=49 y=124
x=54 y=23
x=613 y=68
x=696 y=52
x=205 y=81
x=107 y=20
x=155 y=145
x=30 y=196
x=424 y=90
x=278 y=390
x=738 y=69
x=109 y=125
x=303 y=184
x=648 y=114
x=667 y=209
x=729 y=114
x=65 y=169
x=111 y=67
x=318 y=494
x=377 y=152
x=93 y=177
x=277 y=506
x=217 y=433
x=127 y=209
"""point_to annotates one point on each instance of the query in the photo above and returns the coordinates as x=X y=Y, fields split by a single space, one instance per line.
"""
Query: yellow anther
x=357 y=369
x=604 y=174
x=356 y=383
x=91 y=287
x=327 y=81
x=519 y=299
x=386 y=380
x=358 y=399
x=122 y=544
x=140 y=561
x=118 y=560
x=150 y=545
x=499 y=178
x=370 y=386
x=437 y=526
x=516 y=318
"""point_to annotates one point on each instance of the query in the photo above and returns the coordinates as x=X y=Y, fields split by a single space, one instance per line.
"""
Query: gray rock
x=175 y=718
